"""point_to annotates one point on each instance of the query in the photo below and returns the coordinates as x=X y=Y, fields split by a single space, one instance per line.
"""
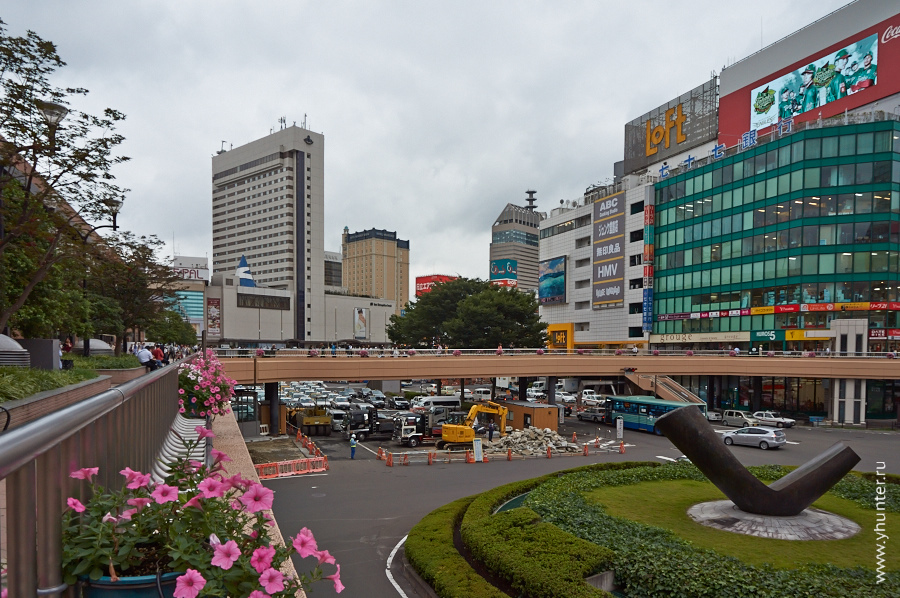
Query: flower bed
x=203 y=388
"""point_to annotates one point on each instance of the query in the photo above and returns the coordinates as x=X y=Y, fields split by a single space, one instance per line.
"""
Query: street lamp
x=114 y=205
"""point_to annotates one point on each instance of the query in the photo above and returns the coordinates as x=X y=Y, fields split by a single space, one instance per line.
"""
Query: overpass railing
x=122 y=427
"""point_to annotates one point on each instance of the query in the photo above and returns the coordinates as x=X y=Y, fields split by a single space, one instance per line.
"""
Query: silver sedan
x=761 y=436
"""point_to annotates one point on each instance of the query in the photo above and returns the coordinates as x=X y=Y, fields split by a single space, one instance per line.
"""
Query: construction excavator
x=458 y=431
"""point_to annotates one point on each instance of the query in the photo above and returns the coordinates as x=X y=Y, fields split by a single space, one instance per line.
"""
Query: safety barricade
x=283 y=469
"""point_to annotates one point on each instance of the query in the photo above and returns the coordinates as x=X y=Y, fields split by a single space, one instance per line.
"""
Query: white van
x=426 y=402
x=482 y=394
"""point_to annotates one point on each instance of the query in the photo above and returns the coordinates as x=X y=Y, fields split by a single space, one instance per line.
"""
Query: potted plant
x=363 y=353
x=313 y=353
x=411 y=352
x=689 y=353
x=203 y=388
x=456 y=352
x=199 y=532
x=540 y=351
x=618 y=351
x=656 y=352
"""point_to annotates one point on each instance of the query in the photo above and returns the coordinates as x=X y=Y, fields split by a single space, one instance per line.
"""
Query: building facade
x=268 y=205
x=514 y=238
x=376 y=264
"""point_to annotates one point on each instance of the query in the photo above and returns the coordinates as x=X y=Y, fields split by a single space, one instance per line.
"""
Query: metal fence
x=124 y=426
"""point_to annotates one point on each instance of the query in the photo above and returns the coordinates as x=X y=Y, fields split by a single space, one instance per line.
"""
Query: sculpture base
x=811 y=524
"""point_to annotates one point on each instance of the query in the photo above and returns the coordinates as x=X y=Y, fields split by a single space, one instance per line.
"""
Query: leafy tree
x=469 y=313
x=136 y=281
x=172 y=328
x=54 y=176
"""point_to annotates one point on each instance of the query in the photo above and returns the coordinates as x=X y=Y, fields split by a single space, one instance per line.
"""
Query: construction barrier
x=430 y=458
x=469 y=457
x=548 y=453
x=390 y=460
x=509 y=454
x=282 y=469
x=622 y=447
x=404 y=460
x=585 y=450
x=380 y=455
x=574 y=437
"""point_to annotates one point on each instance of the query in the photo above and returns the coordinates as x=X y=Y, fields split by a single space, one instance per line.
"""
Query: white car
x=773 y=418
x=713 y=416
x=533 y=394
x=590 y=398
x=467 y=396
x=565 y=397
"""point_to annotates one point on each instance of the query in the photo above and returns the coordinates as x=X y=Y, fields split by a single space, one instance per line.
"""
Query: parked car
x=565 y=397
x=534 y=394
x=773 y=418
x=377 y=401
x=482 y=394
x=591 y=399
x=761 y=436
x=399 y=403
x=468 y=395
x=594 y=414
x=734 y=417
x=713 y=416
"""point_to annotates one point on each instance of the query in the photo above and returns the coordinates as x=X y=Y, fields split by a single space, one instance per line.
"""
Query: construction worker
x=353 y=446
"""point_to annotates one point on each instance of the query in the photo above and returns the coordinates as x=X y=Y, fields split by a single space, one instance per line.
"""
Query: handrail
x=121 y=427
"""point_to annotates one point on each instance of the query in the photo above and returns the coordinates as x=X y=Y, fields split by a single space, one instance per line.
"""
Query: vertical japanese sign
x=647 y=308
x=608 y=252
x=213 y=316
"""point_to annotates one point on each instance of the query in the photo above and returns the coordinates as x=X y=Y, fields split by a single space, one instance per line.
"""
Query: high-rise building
x=268 y=200
x=333 y=269
x=376 y=264
x=514 y=238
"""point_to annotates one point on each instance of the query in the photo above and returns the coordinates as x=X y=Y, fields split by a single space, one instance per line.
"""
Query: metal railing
x=124 y=426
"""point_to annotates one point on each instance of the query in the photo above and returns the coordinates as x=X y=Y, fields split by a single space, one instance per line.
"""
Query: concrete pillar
x=271 y=394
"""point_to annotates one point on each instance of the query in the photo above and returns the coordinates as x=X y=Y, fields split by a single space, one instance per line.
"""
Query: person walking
x=491 y=432
x=353 y=446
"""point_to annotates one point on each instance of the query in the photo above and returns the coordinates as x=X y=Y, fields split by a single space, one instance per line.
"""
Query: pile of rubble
x=531 y=441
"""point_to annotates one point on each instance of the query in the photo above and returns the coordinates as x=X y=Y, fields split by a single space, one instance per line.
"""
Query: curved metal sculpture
x=688 y=430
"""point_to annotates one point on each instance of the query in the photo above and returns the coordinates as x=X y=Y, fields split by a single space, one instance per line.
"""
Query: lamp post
x=113 y=205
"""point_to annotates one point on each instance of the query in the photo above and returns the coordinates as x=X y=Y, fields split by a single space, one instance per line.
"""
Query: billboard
x=504 y=269
x=213 y=316
x=552 y=281
x=608 y=252
x=826 y=79
x=827 y=49
x=424 y=283
x=360 y=323
x=685 y=122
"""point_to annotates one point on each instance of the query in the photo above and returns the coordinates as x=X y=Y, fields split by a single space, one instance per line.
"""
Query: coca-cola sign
x=890 y=33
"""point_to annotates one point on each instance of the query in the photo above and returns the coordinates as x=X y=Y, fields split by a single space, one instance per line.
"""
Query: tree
x=140 y=285
x=470 y=313
x=54 y=178
x=171 y=328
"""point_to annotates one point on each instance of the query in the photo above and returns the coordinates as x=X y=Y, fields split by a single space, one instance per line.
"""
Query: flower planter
x=142 y=586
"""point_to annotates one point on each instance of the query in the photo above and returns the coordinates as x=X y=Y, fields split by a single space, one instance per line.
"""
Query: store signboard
x=608 y=252
x=213 y=316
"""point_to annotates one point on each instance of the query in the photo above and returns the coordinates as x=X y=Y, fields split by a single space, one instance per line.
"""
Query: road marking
x=665 y=458
x=387 y=569
x=789 y=442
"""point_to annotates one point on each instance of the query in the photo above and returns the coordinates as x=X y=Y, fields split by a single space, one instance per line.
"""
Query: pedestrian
x=737 y=351
x=333 y=350
x=145 y=357
x=634 y=350
x=491 y=432
x=158 y=355
x=353 y=446
x=827 y=351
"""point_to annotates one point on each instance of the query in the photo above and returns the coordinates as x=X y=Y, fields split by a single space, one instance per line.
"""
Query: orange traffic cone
x=622 y=447
x=586 y=450
x=574 y=436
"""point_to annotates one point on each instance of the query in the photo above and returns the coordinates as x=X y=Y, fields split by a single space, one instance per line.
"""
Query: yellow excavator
x=459 y=431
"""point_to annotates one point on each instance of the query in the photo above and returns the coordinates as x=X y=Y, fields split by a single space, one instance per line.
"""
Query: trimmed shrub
x=429 y=549
x=105 y=362
x=19 y=383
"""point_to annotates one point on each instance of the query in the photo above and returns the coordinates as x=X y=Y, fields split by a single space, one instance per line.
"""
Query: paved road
x=361 y=509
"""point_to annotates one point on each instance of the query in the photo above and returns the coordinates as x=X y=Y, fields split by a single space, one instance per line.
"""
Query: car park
x=774 y=418
x=762 y=436
x=734 y=417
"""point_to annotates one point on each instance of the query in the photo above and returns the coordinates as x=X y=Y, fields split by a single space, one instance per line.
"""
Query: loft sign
x=661 y=134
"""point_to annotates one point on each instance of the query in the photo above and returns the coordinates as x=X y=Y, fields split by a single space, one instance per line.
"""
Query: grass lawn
x=664 y=504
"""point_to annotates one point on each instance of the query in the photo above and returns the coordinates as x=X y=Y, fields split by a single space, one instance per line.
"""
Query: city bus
x=641 y=412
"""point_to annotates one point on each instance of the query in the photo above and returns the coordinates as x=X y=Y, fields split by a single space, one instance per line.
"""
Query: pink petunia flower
x=305 y=543
x=219 y=456
x=109 y=518
x=181 y=391
x=128 y=514
x=272 y=581
x=189 y=584
x=181 y=410
x=85 y=473
x=257 y=498
x=164 y=493
x=324 y=557
x=75 y=505
x=194 y=502
x=336 y=578
x=140 y=480
x=253 y=594
x=139 y=502
x=212 y=488
x=262 y=558
x=226 y=554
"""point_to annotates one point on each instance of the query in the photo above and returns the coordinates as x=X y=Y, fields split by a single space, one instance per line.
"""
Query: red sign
x=649 y=214
x=424 y=283
x=877 y=333
x=786 y=309
x=505 y=282
x=820 y=307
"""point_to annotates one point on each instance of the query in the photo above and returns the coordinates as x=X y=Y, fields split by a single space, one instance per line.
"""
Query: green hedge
x=104 y=362
x=19 y=383
x=429 y=549
x=651 y=562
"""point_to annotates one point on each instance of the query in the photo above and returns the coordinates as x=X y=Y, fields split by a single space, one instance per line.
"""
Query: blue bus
x=641 y=412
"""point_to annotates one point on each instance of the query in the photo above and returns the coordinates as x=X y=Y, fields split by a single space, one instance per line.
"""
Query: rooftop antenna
x=222 y=149
x=530 y=199
x=304 y=120
x=283 y=122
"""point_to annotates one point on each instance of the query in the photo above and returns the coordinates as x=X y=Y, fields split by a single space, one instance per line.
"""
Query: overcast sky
x=435 y=114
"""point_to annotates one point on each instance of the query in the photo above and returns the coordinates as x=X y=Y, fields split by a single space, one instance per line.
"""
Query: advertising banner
x=360 y=323
x=504 y=269
x=827 y=78
x=647 y=319
x=608 y=252
x=846 y=72
x=552 y=281
x=213 y=316
x=424 y=283
x=685 y=122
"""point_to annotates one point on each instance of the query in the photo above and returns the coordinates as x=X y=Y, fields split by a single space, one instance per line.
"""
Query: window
x=636 y=283
x=582 y=242
x=635 y=260
x=635 y=332
x=636 y=308
x=637 y=235
x=637 y=207
x=583 y=262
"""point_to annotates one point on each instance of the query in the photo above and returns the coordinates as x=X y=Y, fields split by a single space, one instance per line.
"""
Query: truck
x=312 y=421
x=367 y=423
x=458 y=431
x=412 y=428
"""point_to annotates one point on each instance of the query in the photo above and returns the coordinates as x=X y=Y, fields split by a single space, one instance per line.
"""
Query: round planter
x=142 y=586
